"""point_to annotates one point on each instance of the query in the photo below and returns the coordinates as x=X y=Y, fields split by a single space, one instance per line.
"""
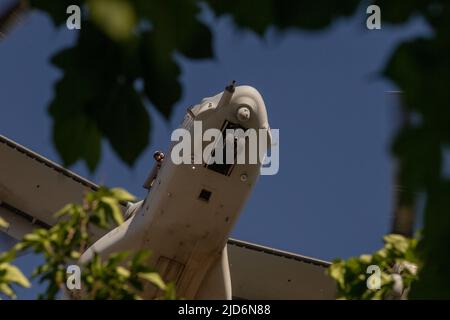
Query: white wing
x=33 y=189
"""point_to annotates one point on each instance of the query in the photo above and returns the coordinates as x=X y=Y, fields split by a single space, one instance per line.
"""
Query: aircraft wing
x=33 y=188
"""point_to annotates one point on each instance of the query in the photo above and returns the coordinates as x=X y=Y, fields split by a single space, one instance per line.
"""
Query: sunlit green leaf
x=122 y=195
x=154 y=278
x=113 y=204
x=123 y=272
x=3 y=223
x=14 y=275
x=116 y=17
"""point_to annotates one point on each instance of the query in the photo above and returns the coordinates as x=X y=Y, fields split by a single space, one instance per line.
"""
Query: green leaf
x=176 y=27
x=113 y=205
x=96 y=99
x=122 y=195
x=170 y=292
x=336 y=272
x=116 y=258
x=10 y=255
x=68 y=209
x=84 y=140
x=123 y=272
x=6 y=289
x=160 y=73
x=399 y=242
x=14 y=275
x=3 y=223
x=75 y=255
x=140 y=258
x=154 y=278
x=366 y=258
x=124 y=121
x=115 y=17
x=400 y=11
x=32 y=237
x=308 y=15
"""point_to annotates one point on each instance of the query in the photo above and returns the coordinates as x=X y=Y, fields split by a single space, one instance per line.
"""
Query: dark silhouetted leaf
x=77 y=138
x=160 y=74
x=123 y=120
x=259 y=15
x=176 y=26
x=97 y=88
x=433 y=278
x=401 y=11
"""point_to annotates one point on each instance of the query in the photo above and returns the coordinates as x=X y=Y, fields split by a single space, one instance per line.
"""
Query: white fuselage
x=190 y=209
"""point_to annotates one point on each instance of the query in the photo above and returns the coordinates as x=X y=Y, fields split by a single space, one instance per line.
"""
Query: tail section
x=217 y=283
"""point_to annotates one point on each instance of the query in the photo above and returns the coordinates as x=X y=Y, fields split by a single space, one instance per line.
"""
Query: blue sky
x=332 y=195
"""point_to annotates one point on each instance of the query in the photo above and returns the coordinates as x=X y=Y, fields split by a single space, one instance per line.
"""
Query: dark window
x=205 y=195
x=225 y=168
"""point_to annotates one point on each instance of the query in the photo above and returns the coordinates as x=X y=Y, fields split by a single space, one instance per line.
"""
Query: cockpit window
x=225 y=168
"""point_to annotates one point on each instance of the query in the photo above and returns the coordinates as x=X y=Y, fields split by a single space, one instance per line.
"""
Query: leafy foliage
x=120 y=276
x=10 y=274
x=121 y=43
x=421 y=69
x=98 y=88
x=125 y=42
x=106 y=280
x=258 y=16
x=351 y=275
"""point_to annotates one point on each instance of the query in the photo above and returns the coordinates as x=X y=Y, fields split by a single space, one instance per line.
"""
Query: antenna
x=227 y=94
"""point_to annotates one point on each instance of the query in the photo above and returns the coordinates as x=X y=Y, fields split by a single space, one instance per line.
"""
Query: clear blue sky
x=332 y=197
